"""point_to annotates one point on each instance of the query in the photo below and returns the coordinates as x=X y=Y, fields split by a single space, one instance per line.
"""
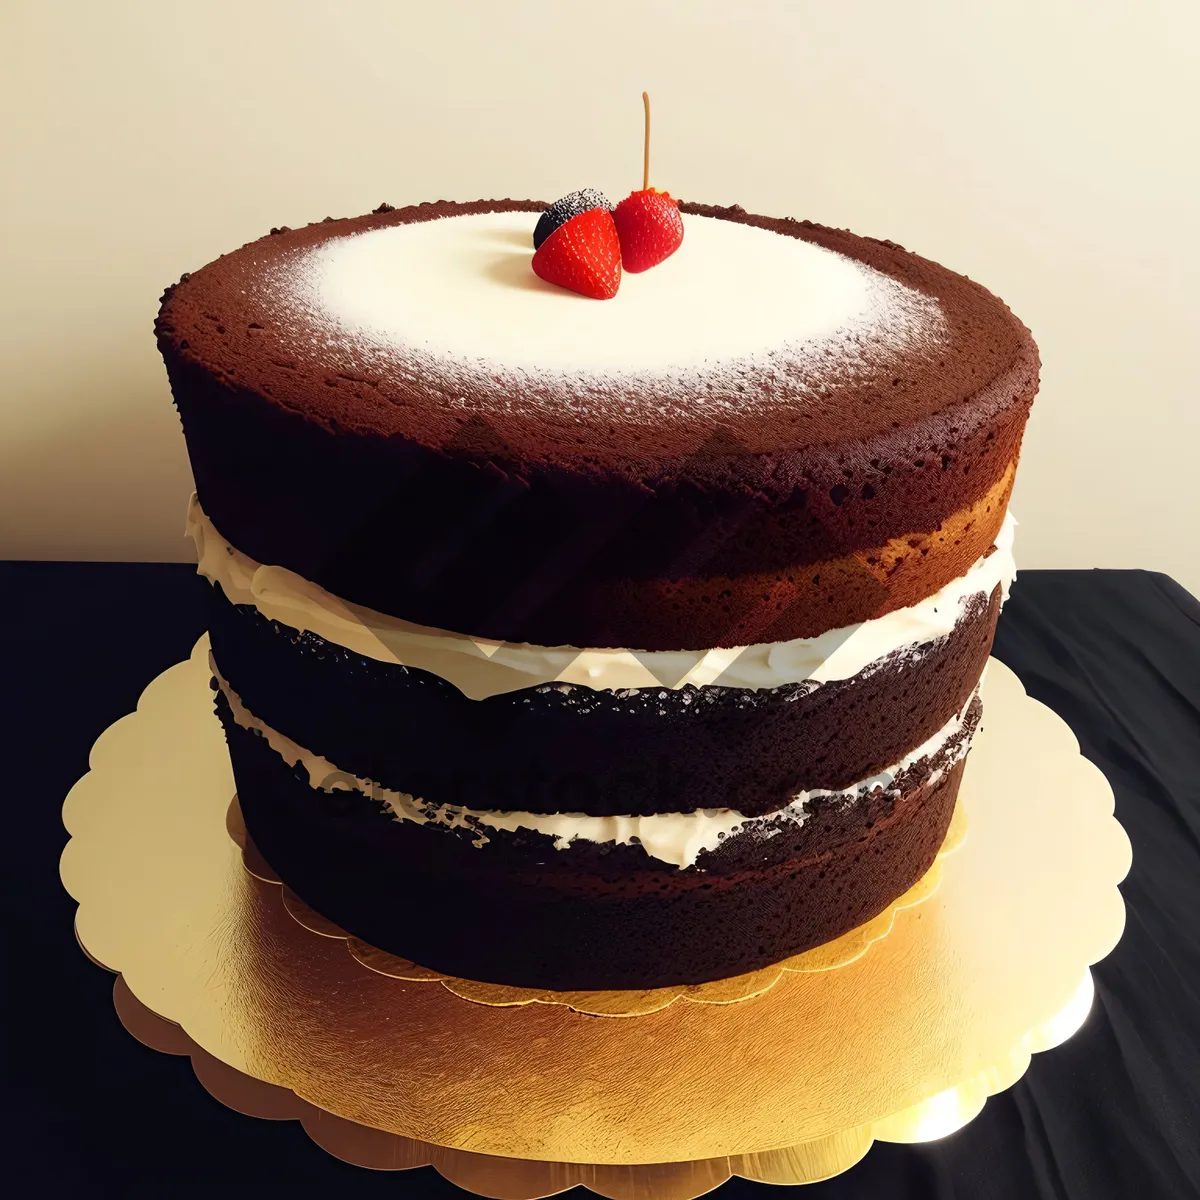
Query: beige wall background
x=1048 y=148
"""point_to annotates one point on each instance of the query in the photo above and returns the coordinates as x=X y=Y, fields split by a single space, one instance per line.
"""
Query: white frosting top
x=675 y=838
x=463 y=288
x=479 y=667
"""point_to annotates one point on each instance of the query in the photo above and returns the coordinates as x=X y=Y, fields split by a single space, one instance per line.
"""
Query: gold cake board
x=903 y=1042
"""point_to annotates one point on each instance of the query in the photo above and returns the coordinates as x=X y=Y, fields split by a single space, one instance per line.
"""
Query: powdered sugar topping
x=456 y=298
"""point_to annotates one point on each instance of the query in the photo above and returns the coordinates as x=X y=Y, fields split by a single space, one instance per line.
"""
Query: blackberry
x=561 y=211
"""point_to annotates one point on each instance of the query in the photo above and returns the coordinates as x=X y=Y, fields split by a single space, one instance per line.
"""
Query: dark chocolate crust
x=515 y=911
x=485 y=507
x=565 y=748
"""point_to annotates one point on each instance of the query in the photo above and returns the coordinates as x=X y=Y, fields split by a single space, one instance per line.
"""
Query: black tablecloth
x=1115 y=1112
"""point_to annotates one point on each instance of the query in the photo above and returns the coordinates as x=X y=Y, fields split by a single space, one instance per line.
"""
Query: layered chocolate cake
x=596 y=643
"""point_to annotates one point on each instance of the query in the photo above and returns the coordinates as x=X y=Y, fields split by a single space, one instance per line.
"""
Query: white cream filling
x=675 y=838
x=480 y=667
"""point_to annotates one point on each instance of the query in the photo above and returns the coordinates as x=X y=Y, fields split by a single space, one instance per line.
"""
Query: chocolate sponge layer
x=494 y=506
x=566 y=748
x=516 y=910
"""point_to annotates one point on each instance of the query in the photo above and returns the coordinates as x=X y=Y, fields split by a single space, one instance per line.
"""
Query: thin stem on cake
x=646 y=144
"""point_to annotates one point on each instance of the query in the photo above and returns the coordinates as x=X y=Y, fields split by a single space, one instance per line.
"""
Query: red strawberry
x=584 y=255
x=650 y=228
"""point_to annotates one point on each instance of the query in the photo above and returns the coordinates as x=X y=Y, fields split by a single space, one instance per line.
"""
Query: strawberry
x=649 y=227
x=584 y=254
